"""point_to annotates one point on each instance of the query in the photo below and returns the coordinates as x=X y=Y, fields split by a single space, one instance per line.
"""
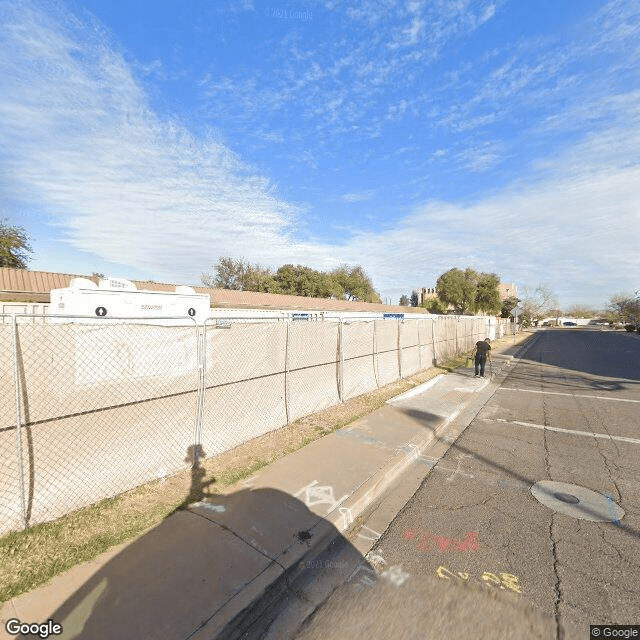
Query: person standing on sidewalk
x=481 y=352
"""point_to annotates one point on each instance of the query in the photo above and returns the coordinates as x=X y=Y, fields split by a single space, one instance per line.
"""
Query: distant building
x=506 y=290
x=425 y=294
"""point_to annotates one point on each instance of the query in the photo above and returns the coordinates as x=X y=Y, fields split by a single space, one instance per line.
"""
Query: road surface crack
x=621 y=556
x=472 y=504
x=557 y=586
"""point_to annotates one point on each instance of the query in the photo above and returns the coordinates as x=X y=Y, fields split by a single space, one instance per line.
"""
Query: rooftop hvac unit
x=118 y=298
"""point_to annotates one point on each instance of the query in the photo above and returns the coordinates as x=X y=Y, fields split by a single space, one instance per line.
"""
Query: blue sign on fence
x=397 y=316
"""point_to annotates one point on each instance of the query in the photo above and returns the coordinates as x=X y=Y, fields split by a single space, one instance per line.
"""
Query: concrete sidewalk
x=212 y=569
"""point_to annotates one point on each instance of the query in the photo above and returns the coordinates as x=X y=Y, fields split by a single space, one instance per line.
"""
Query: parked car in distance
x=630 y=327
x=569 y=324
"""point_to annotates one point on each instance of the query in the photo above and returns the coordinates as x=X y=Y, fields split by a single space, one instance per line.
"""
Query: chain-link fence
x=94 y=407
x=99 y=409
x=11 y=480
x=245 y=382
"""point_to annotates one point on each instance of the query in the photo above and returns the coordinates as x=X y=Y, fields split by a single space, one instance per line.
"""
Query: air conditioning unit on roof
x=119 y=298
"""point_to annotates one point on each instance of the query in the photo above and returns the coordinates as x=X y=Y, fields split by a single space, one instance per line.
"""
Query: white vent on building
x=82 y=283
x=117 y=284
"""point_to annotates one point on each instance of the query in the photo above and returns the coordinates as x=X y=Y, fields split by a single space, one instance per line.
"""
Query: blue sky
x=147 y=139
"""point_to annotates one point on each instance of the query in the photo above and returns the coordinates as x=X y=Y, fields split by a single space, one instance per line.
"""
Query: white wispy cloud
x=81 y=142
x=580 y=232
x=337 y=76
x=359 y=196
x=480 y=158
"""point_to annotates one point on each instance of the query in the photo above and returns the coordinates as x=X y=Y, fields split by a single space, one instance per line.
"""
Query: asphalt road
x=476 y=553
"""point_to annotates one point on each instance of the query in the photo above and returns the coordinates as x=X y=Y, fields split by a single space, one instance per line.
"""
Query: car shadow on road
x=210 y=569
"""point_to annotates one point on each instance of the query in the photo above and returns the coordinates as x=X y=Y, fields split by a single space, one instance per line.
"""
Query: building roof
x=25 y=281
x=40 y=283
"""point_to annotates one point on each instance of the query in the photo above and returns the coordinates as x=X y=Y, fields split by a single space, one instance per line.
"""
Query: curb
x=522 y=347
x=416 y=390
x=377 y=483
x=341 y=518
x=265 y=592
x=250 y=606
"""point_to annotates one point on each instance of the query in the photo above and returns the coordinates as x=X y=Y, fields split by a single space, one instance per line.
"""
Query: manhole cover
x=577 y=502
x=565 y=497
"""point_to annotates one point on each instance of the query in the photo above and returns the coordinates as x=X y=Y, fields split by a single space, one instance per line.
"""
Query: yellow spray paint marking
x=502 y=581
x=440 y=572
x=511 y=582
x=491 y=578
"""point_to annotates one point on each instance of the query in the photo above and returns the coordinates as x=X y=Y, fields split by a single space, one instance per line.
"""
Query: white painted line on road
x=574 y=395
x=543 y=427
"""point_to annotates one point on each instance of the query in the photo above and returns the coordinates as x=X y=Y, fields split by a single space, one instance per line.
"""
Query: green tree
x=240 y=275
x=228 y=274
x=434 y=305
x=297 y=280
x=414 y=299
x=349 y=283
x=303 y=281
x=508 y=305
x=487 y=294
x=260 y=279
x=333 y=288
x=14 y=246
x=404 y=300
x=458 y=288
x=356 y=284
x=469 y=291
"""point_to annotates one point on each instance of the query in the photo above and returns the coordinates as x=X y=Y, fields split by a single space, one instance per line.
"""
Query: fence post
x=201 y=355
x=16 y=375
x=341 y=361
x=419 y=346
x=400 y=348
x=433 y=340
x=376 y=362
x=286 y=373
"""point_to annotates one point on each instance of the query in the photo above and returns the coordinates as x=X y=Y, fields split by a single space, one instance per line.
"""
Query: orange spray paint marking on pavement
x=424 y=541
